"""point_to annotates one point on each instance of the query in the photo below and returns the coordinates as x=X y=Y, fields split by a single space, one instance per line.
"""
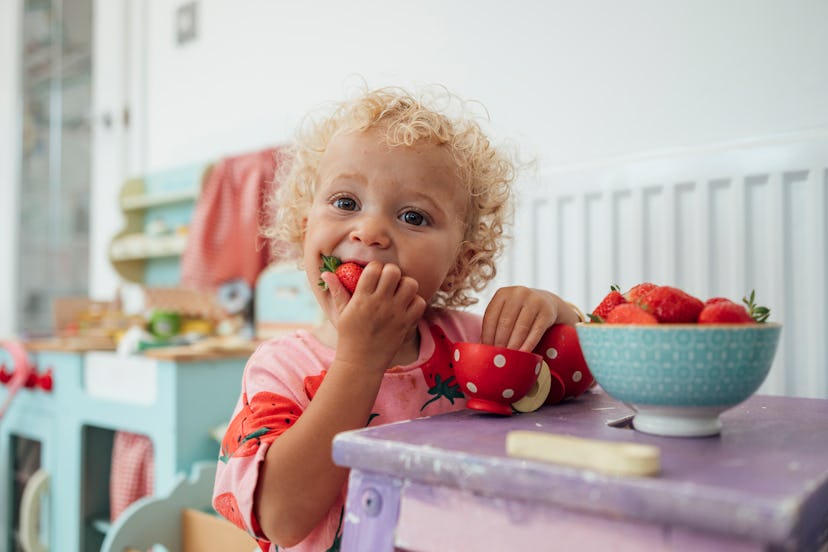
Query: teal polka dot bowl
x=679 y=377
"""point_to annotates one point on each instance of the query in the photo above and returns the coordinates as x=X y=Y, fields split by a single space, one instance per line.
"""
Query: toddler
x=420 y=199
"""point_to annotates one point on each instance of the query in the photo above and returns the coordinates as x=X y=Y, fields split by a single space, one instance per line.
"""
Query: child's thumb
x=338 y=292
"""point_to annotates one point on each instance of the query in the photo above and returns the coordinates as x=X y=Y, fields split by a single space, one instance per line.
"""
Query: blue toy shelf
x=157 y=210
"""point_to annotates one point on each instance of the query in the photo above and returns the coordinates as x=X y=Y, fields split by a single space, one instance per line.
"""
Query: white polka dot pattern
x=495 y=378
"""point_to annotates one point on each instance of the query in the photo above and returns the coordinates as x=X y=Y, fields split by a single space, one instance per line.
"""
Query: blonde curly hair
x=404 y=120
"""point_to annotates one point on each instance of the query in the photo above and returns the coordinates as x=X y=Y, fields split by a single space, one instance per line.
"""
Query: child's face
x=402 y=205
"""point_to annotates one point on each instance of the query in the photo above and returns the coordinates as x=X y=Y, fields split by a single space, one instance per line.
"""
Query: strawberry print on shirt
x=282 y=377
x=438 y=370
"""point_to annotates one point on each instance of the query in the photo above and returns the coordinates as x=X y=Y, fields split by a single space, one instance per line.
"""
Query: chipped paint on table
x=763 y=481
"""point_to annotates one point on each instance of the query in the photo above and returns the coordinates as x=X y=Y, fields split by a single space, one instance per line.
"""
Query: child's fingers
x=338 y=292
x=407 y=289
x=389 y=279
x=533 y=336
x=535 y=317
x=415 y=305
x=330 y=279
x=491 y=317
x=416 y=308
x=501 y=315
x=513 y=324
x=369 y=278
x=397 y=288
x=516 y=318
x=522 y=328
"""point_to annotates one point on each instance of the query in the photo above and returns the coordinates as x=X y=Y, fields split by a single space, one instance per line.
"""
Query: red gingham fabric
x=132 y=474
x=223 y=243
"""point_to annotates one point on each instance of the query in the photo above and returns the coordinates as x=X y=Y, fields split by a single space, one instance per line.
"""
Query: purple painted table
x=445 y=483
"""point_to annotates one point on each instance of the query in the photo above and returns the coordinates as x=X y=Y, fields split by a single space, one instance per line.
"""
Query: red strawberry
x=725 y=312
x=671 y=305
x=609 y=302
x=629 y=313
x=348 y=273
x=635 y=293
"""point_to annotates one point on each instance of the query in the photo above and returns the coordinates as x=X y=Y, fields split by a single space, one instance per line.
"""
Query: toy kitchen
x=129 y=395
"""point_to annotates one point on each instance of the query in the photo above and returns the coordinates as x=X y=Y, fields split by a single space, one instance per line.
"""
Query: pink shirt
x=280 y=380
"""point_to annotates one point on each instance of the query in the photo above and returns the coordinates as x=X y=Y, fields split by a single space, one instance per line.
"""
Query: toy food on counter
x=235 y=297
x=197 y=326
x=164 y=324
x=164 y=328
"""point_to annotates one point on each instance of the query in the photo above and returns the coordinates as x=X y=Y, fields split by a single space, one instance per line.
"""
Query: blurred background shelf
x=138 y=202
x=157 y=210
x=141 y=246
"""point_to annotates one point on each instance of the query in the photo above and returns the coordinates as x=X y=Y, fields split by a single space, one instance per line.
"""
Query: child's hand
x=517 y=317
x=373 y=323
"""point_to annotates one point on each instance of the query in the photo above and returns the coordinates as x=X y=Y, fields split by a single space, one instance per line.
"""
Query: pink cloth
x=133 y=471
x=280 y=380
x=223 y=243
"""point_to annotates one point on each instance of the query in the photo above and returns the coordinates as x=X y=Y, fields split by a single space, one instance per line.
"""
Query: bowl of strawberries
x=677 y=361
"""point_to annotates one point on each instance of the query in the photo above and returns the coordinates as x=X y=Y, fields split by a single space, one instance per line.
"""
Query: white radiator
x=716 y=222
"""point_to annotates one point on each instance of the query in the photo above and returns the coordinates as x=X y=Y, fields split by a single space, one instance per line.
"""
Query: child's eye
x=414 y=218
x=345 y=203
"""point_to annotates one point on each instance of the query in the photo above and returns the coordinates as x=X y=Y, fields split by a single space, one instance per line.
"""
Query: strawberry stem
x=329 y=264
x=759 y=313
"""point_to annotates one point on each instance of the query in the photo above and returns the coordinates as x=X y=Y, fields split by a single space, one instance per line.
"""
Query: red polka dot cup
x=492 y=378
x=561 y=351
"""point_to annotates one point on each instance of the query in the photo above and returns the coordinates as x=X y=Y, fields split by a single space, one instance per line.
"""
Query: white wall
x=570 y=82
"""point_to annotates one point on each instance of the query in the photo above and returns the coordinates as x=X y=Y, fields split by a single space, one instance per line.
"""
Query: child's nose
x=373 y=231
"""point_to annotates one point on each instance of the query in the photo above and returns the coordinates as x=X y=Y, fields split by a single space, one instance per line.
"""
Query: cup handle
x=537 y=395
